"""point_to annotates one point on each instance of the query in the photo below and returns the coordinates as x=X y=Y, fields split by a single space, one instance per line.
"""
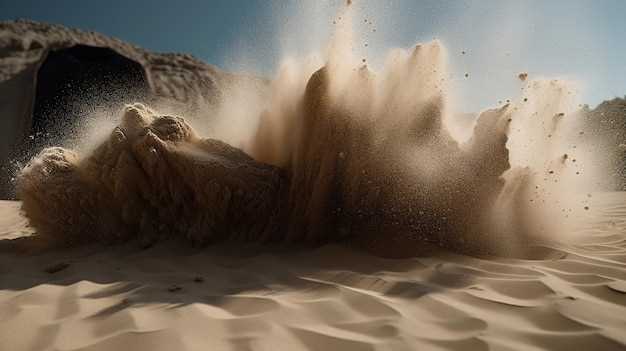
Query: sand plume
x=351 y=177
x=341 y=153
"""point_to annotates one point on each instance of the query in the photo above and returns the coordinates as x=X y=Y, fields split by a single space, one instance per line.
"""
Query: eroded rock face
x=24 y=44
x=154 y=178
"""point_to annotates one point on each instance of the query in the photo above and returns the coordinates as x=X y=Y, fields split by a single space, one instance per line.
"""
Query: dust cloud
x=340 y=152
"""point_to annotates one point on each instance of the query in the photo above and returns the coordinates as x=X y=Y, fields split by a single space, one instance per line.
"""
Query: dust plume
x=340 y=153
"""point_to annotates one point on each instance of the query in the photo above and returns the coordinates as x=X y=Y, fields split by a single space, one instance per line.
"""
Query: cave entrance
x=73 y=81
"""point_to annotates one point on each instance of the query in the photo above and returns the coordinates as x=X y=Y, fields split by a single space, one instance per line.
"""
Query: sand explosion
x=342 y=154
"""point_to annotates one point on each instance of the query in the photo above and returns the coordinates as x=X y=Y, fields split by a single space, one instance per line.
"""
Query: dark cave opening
x=78 y=79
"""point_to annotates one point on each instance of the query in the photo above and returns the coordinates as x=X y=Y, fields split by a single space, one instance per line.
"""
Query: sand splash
x=341 y=153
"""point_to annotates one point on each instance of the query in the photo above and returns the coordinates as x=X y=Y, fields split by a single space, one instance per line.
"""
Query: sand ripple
x=172 y=297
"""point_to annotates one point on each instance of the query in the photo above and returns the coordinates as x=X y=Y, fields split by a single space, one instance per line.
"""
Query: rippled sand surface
x=171 y=297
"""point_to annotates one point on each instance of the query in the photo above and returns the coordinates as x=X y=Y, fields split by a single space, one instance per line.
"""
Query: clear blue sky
x=584 y=40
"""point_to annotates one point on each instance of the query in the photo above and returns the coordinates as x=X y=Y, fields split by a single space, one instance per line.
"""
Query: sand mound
x=152 y=178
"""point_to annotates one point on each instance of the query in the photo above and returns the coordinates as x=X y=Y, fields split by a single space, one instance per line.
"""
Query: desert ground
x=226 y=297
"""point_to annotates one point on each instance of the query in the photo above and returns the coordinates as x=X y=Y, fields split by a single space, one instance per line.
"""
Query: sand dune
x=172 y=297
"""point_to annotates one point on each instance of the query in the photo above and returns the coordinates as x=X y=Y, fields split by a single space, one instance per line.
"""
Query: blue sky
x=581 y=40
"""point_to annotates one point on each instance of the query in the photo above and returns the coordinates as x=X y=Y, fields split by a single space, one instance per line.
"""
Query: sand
x=367 y=155
x=172 y=297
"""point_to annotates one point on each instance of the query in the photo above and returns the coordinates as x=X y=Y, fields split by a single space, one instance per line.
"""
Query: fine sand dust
x=172 y=297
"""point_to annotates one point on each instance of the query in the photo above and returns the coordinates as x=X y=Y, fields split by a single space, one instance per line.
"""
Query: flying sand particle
x=57 y=267
x=174 y=288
